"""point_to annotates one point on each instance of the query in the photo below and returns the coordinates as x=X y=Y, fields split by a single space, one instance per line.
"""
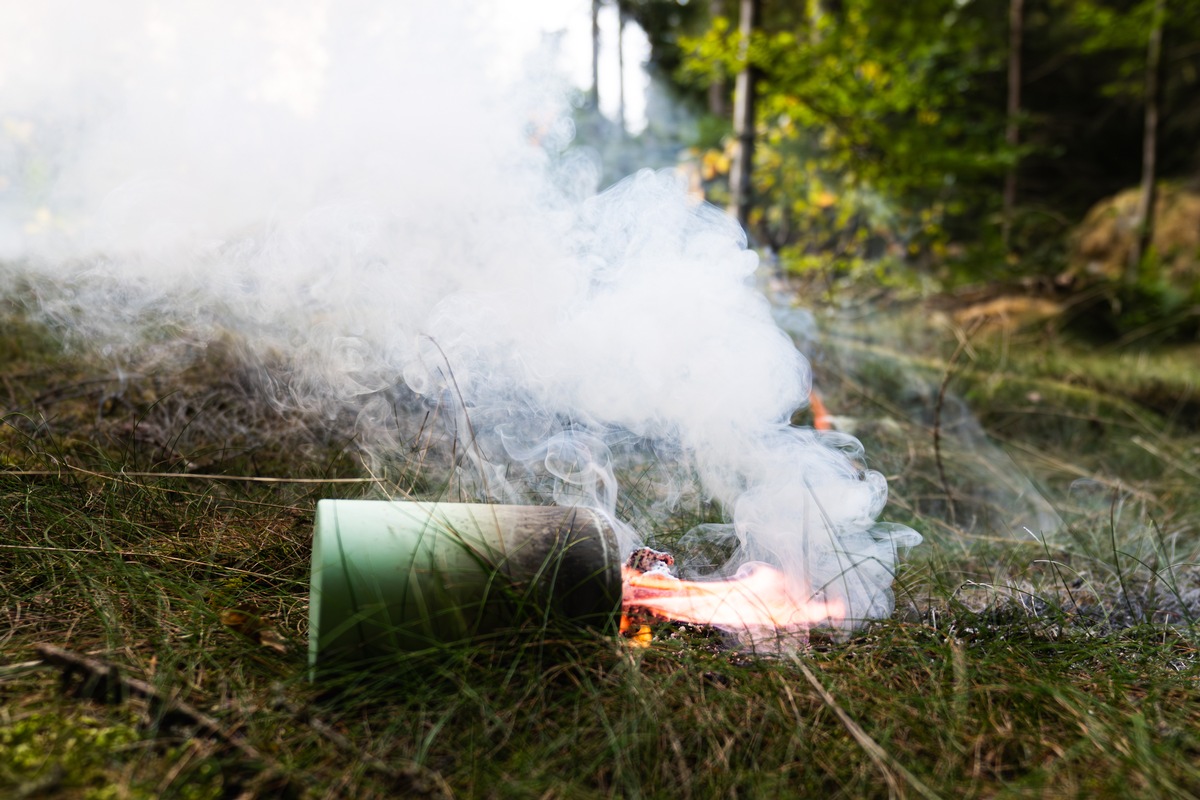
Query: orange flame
x=758 y=597
x=822 y=420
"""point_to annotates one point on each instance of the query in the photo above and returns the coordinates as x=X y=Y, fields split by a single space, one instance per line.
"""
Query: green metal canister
x=391 y=576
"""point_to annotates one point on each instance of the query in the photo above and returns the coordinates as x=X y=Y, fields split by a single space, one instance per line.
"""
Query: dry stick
x=105 y=682
x=963 y=341
x=881 y=757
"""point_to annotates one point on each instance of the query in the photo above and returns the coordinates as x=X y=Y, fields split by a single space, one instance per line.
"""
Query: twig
x=886 y=762
x=91 y=678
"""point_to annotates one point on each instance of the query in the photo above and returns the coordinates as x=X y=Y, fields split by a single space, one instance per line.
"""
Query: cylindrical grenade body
x=393 y=576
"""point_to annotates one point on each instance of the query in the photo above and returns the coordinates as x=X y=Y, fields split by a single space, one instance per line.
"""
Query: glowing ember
x=758 y=597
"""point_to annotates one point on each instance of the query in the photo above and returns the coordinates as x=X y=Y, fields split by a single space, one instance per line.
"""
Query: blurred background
x=1050 y=145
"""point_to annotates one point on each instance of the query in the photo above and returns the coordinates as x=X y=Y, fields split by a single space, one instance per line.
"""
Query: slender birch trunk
x=740 y=174
x=621 y=67
x=594 y=98
x=1144 y=216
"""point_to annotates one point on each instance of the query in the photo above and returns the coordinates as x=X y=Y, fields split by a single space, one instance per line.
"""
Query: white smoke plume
x=362 y=188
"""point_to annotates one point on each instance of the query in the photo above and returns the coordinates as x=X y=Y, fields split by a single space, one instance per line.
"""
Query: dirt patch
x=1008 y=313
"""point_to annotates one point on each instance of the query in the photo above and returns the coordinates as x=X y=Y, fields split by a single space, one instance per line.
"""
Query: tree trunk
x=621 y=67
x=594 y=98
x=816 y=12
x=740 y=174
x=717 y=90
x=1144 y=216
x=1012 y=131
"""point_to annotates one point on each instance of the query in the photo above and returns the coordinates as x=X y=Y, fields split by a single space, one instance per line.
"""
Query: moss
x=71 y=753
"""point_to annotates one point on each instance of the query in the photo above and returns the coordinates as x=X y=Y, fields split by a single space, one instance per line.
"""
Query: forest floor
x=154 y=555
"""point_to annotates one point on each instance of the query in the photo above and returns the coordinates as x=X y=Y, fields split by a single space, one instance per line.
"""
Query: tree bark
x=594 y=97
x=1012 y=130
x=717 y=90
x=1144 y=216
x=740 y=184
x=621 y=67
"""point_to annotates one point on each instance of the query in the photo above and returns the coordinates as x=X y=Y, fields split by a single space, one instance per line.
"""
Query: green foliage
x=1150 y=310
x=880 y=126
x=1121 y=31
x=869 y=147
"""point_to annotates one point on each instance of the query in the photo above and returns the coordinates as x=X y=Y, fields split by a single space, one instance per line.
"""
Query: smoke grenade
x=355 y=192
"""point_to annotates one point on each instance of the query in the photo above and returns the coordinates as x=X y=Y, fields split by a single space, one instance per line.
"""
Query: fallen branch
x=92 y=679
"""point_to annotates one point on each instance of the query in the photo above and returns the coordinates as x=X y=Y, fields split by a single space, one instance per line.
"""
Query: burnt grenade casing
x=392 y=576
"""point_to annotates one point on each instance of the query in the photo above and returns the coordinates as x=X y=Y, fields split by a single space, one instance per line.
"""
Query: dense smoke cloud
x=353 y=189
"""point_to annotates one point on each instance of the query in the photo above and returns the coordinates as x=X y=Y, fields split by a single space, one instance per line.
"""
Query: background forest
x=938 y=143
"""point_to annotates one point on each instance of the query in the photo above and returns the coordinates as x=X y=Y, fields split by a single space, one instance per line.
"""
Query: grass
x=1057 y=663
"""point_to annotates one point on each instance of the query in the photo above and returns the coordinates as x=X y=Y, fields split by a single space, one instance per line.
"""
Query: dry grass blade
x=883 y=760
x=142 y=554
x=195 y=476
